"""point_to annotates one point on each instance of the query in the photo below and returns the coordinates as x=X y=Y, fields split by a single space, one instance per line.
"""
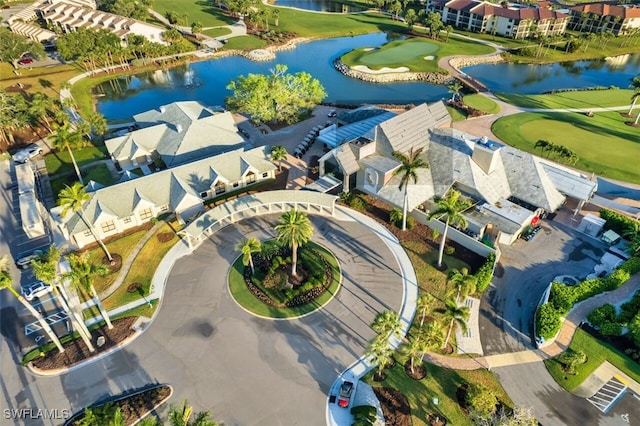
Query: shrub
x=634 y=330
x=449 y=250
x=617 y=222
x=276 y=280
x=435 y=234
x=605 y=313
x=547 y=321
x=482 y=400
x=629 y=309
x=395 y=216
x=485 y=273
x=570 y=359
x=610 y=328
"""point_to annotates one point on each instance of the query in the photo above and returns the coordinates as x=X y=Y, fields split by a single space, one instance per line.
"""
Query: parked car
x=24 y=260
x=344 y=397
x=332 y=113
x=25 y=154
x=25 y=61
x=37 y=289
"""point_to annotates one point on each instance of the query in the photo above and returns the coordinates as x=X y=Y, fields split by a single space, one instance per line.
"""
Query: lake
x=320 y=5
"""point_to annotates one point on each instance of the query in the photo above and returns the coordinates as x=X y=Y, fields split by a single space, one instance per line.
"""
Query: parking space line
x=608 y=395
x=40 y=302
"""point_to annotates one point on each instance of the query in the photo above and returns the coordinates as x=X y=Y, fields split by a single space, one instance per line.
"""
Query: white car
x=37 y=289
x=25 y=154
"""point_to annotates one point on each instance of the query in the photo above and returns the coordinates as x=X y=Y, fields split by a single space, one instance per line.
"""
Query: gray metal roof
x=346 y=158
x=362 y=113
x=569 y=182
x=334 y=138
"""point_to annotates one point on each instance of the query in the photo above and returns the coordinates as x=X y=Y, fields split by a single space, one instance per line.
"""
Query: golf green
x=398 y=53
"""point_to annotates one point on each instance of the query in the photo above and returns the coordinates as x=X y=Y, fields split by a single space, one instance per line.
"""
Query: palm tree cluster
x=179 y=415
x=386 y=324
x=560 y=152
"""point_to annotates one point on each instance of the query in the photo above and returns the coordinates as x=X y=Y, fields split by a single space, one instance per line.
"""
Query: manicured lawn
x=100 y=173
x=60 y=161
x=195 y=11
x=604 y=143
x=243 y=296
x=482 y=103
x=411 y=53
x=244 y=43
x=38 y=80
x=217 y=32
x=597 y=352
x=439 y=383
x=455 y=114
x=575 y=99
x=143 y=268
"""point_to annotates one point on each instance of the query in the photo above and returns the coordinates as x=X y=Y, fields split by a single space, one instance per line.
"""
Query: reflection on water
x=320 y=5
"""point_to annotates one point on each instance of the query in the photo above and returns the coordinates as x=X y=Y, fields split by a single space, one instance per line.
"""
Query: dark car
x=24 y=260
x=344 y=397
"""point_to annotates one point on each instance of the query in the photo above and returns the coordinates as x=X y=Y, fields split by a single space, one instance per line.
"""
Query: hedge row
x=610 y=323
x=563 y=297
x=485 y=273
x=617 y=222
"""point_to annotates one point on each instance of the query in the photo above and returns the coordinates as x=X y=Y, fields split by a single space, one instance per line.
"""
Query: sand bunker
x=429 y=58
x=384 y=70
x=368 y=49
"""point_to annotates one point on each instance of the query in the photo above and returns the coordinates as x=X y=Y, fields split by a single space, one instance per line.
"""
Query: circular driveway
x=256 y=371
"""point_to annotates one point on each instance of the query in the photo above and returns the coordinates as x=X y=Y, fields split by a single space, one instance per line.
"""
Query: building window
x=87 y=233
x=235 y=184
x=127 y=219
x=251 y=177
x=145 y=214
x=164 y=208
x=204 y=194
x=220 y=188
x=108 y=226
x=264 y=175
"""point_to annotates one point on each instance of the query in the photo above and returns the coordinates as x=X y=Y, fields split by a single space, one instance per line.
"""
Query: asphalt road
x=249 y=371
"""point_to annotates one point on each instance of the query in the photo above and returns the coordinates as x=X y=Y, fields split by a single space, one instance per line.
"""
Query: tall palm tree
x=415 y=348
x=82 y=273
x=294 y=230
x=45 y=269
x=39 y=107
x=409 y=171
x=279 y=153
x=450 y=208
x=464 y=282
x=72 y=199
x=248 y=247
x=423 y=304
x=98 y=123
x=6 y=282
x=455 y=315
x=387 y=323
x=379 y=353
x=181 y=416
x=433 y=335
x=454 y=89
x=63 y=138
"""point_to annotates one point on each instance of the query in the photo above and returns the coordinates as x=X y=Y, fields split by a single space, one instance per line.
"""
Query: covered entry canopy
x=325 y=184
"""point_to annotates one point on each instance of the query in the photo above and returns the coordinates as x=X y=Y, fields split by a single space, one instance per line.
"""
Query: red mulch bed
x=419 y=370
x=115 y=264
x=164 y=237
x=395 y=407
x=76 y=351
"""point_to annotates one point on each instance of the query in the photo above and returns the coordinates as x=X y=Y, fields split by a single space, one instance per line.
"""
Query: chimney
x=486 y=155
x=178 y=128
x=163 y=109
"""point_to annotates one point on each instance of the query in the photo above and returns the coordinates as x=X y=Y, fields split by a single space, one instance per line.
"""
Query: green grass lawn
x=217 y=32
x=482 y=103
x=574 y=99
x=38 y=80
x=604 y=144
x=100 y=173
x=456 y=115
x=60 y=161
x=245 y=298
x=597 y=352
x=411 y=53
x=244 y=43
x=439 y=383
x=190 y=11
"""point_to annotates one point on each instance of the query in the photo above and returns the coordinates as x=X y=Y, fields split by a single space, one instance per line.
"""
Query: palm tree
x=409 y=171
x=387 y=323
x=415 y=348
x=63 y=138
x=98 y=123
x=454 y=89
x=633 y=248
x=84 y=129
x=181 y=416
x=433 y=335
x=45 y=269
x=279 y=153
x=40 y=106
x=465 y=283
x=294 y=230
x=542 y=144
x=82 y=273
x=6 y=282
x=455 y=315
x=248 y=247
x=379 y=353
x=72 y=198
x=424 y=303
x=451 y=208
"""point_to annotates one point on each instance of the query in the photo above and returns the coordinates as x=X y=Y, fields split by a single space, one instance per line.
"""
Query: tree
x=423 y=304
x=633 y=248
x=542 y=144
x=454 y=89
x=83 y=272
x=465 y=283
x=435 y=24
x=387 y=323
x=279 y=153
x=449 y=29
x=279 y=96
x=248 y=247
x=433 y=335
x=410 y=18
x=450 y=208
x=294 y=230
x=409 y=171
x=13 y=46
x=455 y=315
x=72 y=199
x=395 y=8
x=63 y=138
x=98 y=123
x=6 y=283
x=39 y=108
x=415 y=349
x=379 y=353
x=196 y=27
x=182 y=416
x=172 y=17
x=45 y=269
x=482 y=400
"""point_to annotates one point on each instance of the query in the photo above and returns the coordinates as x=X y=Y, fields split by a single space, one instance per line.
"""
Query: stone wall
x=429 y=77
x=467 y=61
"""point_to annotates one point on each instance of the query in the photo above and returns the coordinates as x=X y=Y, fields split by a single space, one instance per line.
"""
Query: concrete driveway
x=249 y=371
